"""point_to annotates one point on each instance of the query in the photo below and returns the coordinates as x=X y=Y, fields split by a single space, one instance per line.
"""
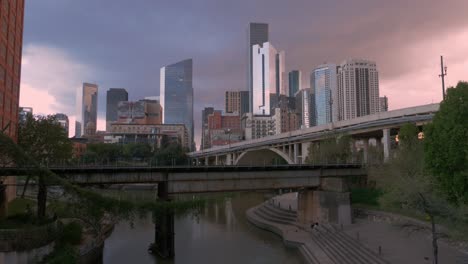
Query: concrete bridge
x=323 y=190
x=292 y=147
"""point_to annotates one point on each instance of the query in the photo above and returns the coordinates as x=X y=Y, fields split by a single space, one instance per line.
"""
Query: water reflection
x=219 y=234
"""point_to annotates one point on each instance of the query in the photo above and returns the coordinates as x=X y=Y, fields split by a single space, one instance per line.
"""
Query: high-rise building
x=323 y=81
x=294 y=82
x=237 y=102
x=268 y=77
x=86 y=110
x=358 y=89
x=62 y=119
x=114 y=96
x=257 y=35
x=383 y=104
x=176 y=93
x=23 y=114
x=259 y=126
x=11 y=46
x=305 y=108
x=144 y=112
x=223 y=129
x=205 y=131
x=11 y=42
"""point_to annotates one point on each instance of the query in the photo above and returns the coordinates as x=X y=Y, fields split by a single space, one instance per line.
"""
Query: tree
x=45 y=141
x=173 y=154
x=446 y=145
x=332 y=150
x=406 y=184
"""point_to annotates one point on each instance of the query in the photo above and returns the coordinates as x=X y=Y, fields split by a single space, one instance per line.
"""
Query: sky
x=123 y=44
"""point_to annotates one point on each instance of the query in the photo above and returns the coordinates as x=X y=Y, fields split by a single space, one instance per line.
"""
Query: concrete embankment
x=322 y=244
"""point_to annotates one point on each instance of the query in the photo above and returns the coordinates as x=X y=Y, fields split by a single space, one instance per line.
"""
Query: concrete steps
x=325 y=244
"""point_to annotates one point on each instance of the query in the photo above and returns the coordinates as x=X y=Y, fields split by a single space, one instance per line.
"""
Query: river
x=220 y=234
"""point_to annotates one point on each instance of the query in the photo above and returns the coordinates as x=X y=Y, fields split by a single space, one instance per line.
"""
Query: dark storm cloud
x=127 y=42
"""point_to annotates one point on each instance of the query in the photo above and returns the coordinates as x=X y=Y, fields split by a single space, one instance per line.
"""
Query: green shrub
x=63 y=254
x=72 y=233
x=367 y=196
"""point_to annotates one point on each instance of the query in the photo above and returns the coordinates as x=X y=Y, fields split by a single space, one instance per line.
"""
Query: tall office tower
x=143 y=112
x=305 y=108
x=86 y=110
x=62 y=119
x=237 y=102
x=268 y=77
x=257 y=35
x=383 y=104
x=114 y=96
x=323 y=81
x=176 y=93
x=294 y=82
x=358 y=89
x=205 y=129
x=23 y=114
x=11 y=42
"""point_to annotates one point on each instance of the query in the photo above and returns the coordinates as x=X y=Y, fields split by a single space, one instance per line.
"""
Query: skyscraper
x=86 y=110
x=114 y=96
x=294 y=82
x=383 y=104
x=257 y=35
x=358 y=89
x=268 y=77
x=62 y=119
x=237 y=101
x=176 y=94
x=305 y=108
x=323 y=81
x=205 y=129
x=11 y=43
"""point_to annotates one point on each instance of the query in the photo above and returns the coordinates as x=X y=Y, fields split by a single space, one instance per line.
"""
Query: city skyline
x=417 y=59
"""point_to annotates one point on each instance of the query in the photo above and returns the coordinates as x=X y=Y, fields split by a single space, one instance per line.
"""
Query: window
x=2 y=50
x=10 y=59
x=8 y=83
x=2 y=74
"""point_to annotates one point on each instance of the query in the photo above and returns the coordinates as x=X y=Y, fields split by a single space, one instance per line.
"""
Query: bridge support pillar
x=386 y=141
x=207 y=161
x=332 y=204
x=365 y=150
x=305 y=151
x=216 y=160
x=163 y=226
x=229 y=159
x=296 y=153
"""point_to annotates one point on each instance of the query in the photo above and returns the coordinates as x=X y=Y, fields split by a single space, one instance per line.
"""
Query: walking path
x=368 y=240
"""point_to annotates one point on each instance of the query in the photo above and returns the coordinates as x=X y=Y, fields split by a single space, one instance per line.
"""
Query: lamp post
x=443 y=73
x=228 y=131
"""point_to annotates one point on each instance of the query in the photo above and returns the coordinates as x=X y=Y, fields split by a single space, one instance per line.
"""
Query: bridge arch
x=264 y=156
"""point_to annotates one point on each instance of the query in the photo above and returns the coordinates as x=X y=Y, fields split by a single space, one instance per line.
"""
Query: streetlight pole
x=443 y=73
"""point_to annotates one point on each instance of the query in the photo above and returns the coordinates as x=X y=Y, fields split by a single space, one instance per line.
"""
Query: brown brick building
x=11 y=43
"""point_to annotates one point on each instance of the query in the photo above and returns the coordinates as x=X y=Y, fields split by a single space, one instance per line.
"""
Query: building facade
x=294 y=83
x=237 y=102
x=204 y=144
x=113 y=97
x=155 y=135
x=268 y=77
x=11 y=43
x=323 y=81
x=383 y=104
x=86 y=112
x=305 y=108
x=62 y=119
x=223 y=129
x=145 y=112
x=257 y=34
x=176 y=94
x=23 y=114
x=259 y=126
x=358 y=89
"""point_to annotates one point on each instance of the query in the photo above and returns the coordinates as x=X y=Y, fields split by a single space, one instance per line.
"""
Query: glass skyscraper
x=86 y=112
x=176 y=94
x=268 y=78
x=114 y=96
x=294 y=82
x=324 y=84
x=257 y=35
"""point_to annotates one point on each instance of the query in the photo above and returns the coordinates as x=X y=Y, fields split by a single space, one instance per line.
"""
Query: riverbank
x=374 y=237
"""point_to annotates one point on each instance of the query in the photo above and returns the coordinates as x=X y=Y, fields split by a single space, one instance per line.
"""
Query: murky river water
x=220 y=234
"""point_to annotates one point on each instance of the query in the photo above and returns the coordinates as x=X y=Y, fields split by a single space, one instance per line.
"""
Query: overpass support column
x=229 y=159
x=386 y=141
x=163 y=225
x=331 y=204
x=216 y=160
x=305 y=151
x=296 y=153
x=365 y=150
x=207 y=161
